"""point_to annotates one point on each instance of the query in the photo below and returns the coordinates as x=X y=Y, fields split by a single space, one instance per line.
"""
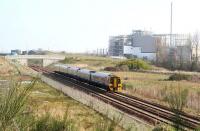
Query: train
x=104 y=80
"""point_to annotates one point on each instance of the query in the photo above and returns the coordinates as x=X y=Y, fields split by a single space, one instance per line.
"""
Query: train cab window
x=119 y=81
x=111 y=80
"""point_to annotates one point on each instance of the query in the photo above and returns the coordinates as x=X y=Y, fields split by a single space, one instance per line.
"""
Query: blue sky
x=80 y=25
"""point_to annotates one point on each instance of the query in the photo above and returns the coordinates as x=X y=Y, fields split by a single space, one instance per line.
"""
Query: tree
x=161 y=51
x=176 y=97
x=196 y=39
x=189 y=44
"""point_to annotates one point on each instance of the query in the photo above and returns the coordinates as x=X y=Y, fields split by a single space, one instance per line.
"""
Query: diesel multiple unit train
x=103 y=80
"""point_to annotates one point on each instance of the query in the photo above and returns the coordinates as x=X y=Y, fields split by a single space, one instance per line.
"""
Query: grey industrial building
x=143 y=44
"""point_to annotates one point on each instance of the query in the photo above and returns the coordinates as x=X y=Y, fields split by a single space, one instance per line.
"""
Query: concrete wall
x=127 y=121
x=47 y=59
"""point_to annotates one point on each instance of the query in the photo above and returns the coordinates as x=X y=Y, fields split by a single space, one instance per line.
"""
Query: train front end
x=115 y=84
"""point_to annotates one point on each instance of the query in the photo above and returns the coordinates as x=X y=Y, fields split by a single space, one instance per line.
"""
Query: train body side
x=103 y=80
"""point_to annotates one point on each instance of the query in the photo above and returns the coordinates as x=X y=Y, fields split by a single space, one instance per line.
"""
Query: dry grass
x=6 y=68
x=150 y=86
x=145 y=85
x=45 y=99
x=91 y=62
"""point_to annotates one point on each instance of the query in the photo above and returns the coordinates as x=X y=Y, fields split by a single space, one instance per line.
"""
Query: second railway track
x=150 y=112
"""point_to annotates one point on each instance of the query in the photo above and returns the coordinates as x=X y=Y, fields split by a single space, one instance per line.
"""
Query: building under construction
x=143 y=44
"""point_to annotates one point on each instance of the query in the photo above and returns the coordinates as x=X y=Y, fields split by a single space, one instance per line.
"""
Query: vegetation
x=152 y=87
x=177 y=100
x=185 y=57
x=178 y=77
x=176 y=97
x=163 y=127
x=90 y=62
x=24 y=107
x=49 y=123
x=69 y=60
x=134 y=64
x=12 y=106
x=106 y=125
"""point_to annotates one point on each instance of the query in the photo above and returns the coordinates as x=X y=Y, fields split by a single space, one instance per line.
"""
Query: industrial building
x=143 y=44
x=16 y=52
x=140 y=44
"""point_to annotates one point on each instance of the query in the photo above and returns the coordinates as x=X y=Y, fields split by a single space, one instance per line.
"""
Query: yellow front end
x=115 y=84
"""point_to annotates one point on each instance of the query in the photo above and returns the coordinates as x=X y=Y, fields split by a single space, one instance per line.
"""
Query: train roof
x=86 y=71
x=66 y=66
x=101 y=74
x=94 y=73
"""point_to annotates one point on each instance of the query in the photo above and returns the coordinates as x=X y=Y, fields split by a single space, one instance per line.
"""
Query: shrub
x=69 y=60
x=176 y=97
x=110 y=69
x=177 y=100
x=107 y=125
x=123 y=68
x=12 y=106
x=178 y=77
x=49 y=123
x=134 y=64
x=163 y=127
x=127 y=85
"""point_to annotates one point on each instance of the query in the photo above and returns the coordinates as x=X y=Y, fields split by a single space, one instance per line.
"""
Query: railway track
x=150 y=112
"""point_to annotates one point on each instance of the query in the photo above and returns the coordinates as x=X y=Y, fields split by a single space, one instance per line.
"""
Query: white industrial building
x=137 y=52
x=140 y=44
x=144 y=44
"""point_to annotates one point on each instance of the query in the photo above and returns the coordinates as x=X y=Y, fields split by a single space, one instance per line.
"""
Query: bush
x=69 y=60
x=107 y=125
x=110 y=69
x=12 y=106
x=123 y=68
x=178 y=77
x=48 y=123
x=134 y=64
x=127 y=86
x=177 y=100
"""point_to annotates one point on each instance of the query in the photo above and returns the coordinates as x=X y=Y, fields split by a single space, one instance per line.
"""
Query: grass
x=44 y=108
x=150 y=86
x=46 y=99
x=135 y=64
x=12 y=104
x=91 y=62
x=145 y=85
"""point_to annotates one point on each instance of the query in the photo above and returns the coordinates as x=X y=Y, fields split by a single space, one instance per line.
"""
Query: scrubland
x=50 y=106
x=153 y=87
x=147 y=84
x=30 y=104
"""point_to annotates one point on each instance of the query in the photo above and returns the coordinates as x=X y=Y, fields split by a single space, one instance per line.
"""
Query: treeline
x=182 y=56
